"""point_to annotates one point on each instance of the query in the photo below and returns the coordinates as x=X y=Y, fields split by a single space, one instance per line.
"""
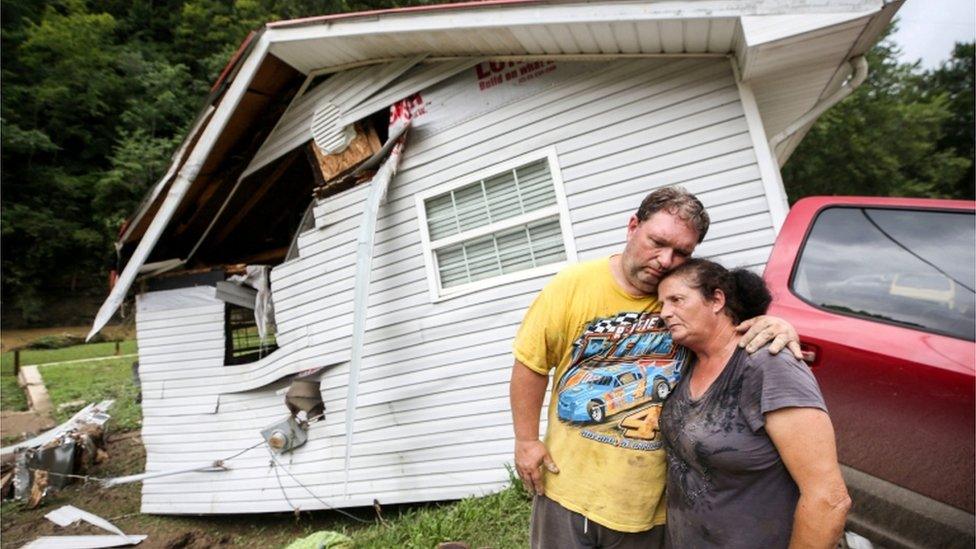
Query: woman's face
x=690 y=317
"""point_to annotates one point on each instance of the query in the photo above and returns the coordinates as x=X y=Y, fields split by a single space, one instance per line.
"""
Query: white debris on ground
x=68 y=515
x=28 y=470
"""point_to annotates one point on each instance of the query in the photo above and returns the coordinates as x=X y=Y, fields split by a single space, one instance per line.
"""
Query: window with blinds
x=496 y=226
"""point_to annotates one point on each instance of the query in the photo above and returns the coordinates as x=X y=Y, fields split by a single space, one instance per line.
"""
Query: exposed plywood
x=329 y=167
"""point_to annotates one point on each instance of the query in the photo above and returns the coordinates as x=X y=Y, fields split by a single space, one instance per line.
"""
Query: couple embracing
x=667 y=426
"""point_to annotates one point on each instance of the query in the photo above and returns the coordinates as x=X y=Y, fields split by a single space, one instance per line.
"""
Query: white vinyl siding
x=502 y=224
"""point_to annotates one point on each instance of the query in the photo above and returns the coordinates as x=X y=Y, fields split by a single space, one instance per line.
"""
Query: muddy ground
x=12 y=339
x=120 y=505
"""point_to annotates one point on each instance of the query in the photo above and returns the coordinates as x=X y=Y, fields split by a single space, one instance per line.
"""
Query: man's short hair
x=676 y=201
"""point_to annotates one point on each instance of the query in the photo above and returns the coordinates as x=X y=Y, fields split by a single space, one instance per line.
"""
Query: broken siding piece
x=83 y=542
x=93 y=413
x=236 y=294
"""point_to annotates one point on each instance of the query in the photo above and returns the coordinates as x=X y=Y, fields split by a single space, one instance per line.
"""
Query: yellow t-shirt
x=615 y=364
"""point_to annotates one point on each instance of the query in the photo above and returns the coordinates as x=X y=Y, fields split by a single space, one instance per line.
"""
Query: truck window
x=909 y=267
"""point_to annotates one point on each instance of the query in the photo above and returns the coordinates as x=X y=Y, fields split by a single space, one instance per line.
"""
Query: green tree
x=886 y=139
x=956 y=79
x=96 y=96
x=60 y=90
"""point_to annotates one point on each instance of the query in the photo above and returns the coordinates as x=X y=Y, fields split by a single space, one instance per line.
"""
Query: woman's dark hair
x=746 y=295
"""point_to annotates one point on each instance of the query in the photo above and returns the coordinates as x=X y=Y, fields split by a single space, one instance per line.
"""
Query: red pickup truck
x=881 y=292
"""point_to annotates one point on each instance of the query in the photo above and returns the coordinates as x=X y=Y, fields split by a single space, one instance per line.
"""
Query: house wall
x=433 y=418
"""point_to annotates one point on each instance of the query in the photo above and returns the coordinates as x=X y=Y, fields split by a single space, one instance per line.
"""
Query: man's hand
x=530 y=457
x=527 y=391
x=773 y=330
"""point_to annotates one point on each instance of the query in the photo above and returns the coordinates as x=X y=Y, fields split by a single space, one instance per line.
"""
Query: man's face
x=654 y=247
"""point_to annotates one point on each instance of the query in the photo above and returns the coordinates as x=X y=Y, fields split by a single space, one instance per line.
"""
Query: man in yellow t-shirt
x=601 y=467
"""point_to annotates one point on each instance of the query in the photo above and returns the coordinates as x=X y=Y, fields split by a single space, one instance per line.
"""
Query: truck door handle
x=810 y=353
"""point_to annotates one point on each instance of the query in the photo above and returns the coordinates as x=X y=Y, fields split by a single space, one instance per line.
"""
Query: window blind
x=503 y=196
x=470 y=233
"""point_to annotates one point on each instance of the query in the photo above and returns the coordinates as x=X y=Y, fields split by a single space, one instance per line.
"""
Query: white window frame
x=560 y=209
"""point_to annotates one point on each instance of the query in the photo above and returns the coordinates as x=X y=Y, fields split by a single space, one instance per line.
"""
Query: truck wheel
x=596 y=410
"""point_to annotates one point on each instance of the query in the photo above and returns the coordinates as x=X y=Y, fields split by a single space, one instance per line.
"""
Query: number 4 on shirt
x=642 y=424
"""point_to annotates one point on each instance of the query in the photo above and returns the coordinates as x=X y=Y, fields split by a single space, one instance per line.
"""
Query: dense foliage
x=904 y=132
x=97 y=95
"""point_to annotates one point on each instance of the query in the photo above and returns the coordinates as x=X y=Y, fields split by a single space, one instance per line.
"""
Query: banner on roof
x=494 y=85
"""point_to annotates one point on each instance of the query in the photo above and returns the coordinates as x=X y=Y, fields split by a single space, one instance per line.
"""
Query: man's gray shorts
x=555 y=527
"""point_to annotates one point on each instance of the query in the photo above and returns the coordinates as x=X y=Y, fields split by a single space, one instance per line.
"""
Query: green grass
x=75 y=352
x=93 y=382
x=498 y=520
x=12 y=396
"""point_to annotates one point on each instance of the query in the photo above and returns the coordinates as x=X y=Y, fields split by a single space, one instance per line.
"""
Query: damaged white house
x=396 y=186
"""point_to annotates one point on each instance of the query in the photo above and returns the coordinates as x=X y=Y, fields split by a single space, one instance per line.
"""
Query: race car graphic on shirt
x=625 y=363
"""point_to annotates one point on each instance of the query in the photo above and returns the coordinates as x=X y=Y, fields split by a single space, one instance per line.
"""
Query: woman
x=751 y=455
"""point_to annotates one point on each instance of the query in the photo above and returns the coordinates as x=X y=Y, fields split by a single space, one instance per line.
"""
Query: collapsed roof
x=214 y=205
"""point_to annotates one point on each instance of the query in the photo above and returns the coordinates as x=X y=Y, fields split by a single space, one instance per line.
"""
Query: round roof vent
x=326 y=132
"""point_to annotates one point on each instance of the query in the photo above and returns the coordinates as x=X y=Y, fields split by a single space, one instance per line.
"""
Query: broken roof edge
x=228 y=74
x=211 y=130
x=708 y=8
x=473 y=4
x=256 y=49
x=865 y=42
x=176 y=161
x=244 y=48
x=202 y=117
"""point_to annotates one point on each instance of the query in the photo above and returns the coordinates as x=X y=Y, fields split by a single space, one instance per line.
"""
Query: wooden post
x=118 y=348
x=16 y=362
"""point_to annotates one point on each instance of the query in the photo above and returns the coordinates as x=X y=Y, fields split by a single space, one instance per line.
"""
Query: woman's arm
x=805 y=440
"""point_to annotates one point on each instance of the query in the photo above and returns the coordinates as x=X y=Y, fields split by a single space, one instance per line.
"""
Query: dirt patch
x=15 y=425
x=194 y=539
x=120 y=505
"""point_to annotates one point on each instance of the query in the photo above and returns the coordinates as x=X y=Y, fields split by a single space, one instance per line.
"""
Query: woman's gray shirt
x=727 y=486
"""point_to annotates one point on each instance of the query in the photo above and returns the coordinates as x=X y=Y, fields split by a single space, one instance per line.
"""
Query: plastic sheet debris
x=68 y=515
x=305 y=395
x=326 y=539
x=93 y=413
x=258 y=278
x=52 y=459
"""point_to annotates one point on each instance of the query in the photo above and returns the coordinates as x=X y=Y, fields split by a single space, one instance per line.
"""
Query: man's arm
x=804 y=438
x=772 y=330
x=527 y=391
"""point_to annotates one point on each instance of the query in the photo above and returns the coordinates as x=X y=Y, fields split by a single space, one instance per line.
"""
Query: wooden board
x=331 y=167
